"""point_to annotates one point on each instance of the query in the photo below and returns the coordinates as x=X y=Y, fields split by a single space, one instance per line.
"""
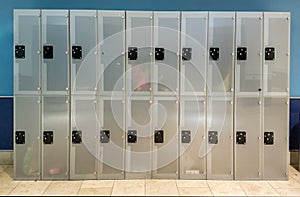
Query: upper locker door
x=220 y=95
x=166 y=53
x=83 y=46
x=138 y=76
x=249 y=40
x=192 y=95
x=276 y=95
x=27 y=29
x=55 y=39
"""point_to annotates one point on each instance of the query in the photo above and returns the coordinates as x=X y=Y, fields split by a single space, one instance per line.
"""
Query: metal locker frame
x=220 y=93
x=248 y=95
x=276 y=95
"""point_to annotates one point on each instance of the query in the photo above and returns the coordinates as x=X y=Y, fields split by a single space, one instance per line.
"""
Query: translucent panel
x=84 y=69
x=221 y=36
x=139 y=36
x=111 y=154
x=27 y=34
x=55 y=33
x=27 y=156
x=83 y=155
x=193 y=37
x=112 y=43
x=56 y=119
x=165 y=152
x=166 y=25
x=247 y=156
x=249 y=35
x=192 y=158
x=277 y=35
x=276 y=155
x=139 y=153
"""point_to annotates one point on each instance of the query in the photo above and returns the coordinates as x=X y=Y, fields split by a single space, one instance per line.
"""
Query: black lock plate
x=77 y=52
x=104 y=136
x=159 y=53
x=132 y=136
x=214 y=53
x=269 y=53
x=213 y=137
x=48 y=137
x=241 y=53
x=48 y=52
x=76 y=137
x=240 y=137
x=269 y=138
x=185 y=136
x=159 y=136
x=132 y=53
x=186 y=54
x=20 y=52
x=20 y=137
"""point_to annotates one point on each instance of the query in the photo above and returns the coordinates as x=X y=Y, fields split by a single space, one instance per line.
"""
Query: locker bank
x=102 y=94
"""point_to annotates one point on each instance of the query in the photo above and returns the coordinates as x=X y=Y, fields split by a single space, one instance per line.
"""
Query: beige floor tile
x=161 y=187
x=128 y=188
x=104 y=191
x=30 y=188
x=291 y=183
x=63 y=188
x=194 y=191
x=225 y=188
x=257 y=188
x=191 y=183
x=289 y=192
x=97 y=183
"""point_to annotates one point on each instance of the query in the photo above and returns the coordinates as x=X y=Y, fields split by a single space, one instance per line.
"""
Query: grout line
x=212 y=194
x=47 y=188
x=242 y=188
x=273 y=188
x=112 y=188
x=79 y=187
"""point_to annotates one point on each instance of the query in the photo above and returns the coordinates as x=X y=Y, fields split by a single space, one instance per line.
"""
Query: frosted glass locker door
x=138 y=138
x=139 y=42
x=248 y=139
x=166 y=52
x=84 y=127
x=221 y=52
x=26 y=137
x=275 y=137
x=27 y=24
x=83 y=46
x=55 y=137
x=192 y=139
x=249 y=49
x=55 y=65
x=277 y=53
x=219 y=138
x=111 y=138
x=165 y=138
x=111 y=34
x=193 y=52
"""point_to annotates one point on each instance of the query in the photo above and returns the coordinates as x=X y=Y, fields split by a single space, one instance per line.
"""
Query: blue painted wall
x=6 y=29
x=6 y=124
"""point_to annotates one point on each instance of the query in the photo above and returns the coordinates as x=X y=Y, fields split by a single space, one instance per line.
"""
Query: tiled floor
x=149 y=187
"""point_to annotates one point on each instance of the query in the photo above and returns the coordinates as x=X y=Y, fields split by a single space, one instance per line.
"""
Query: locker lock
x=48 y=52
x=213 y=137
x=77 y=52
x=214 y=53
x=269 y=138
x=20 y=137
x=132 y=53
x=48 y=137
x=241 y=137
x=241 y=53
x=185 y=136
x=104 y=136
x=132 y=136
x=20 y=52
x=159 y=53
x=159 y=136
x=186 y=54
x=76 y=137
x=269 y=53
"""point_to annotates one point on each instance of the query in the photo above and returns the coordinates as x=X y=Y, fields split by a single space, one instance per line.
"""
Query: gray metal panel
x=83 y=162
x=55 y=118
x=194 y=36
x=27 y=119
x=276 y=155
x=248 y=156
x=84 y=71
x=165 y=155
x=192 y=154
x=111 y=155
x=27 y=24
x=55 y=32
x=138 y=155
x=111 y=35
x=139 y=33
x=166 y=36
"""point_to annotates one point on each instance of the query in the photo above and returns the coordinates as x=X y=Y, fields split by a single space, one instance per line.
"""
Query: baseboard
x=6 y=157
